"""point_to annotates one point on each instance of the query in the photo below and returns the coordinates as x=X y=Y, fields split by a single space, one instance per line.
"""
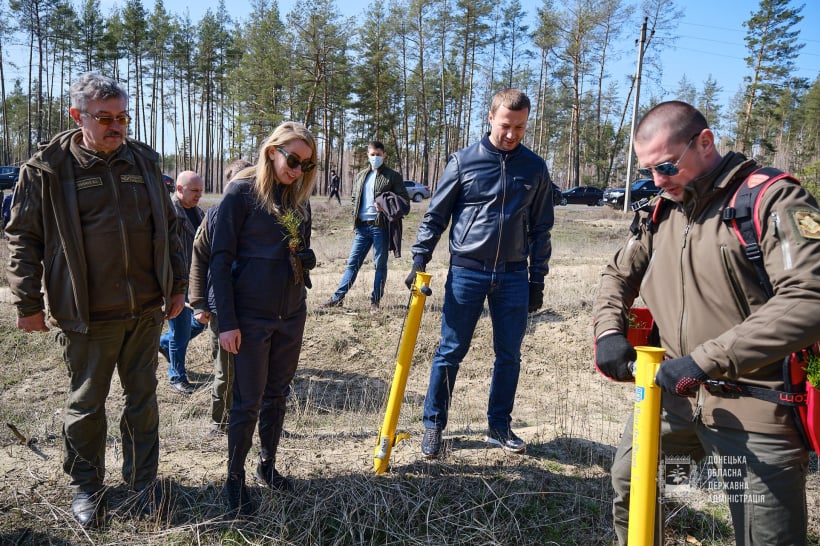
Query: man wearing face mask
x=370 y=225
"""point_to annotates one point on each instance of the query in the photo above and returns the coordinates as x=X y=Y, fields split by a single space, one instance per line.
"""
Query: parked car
x=583 y=195
x=643 y=188
x=169 y=183
x=8 y=177
x=417 y=191
x=557 y=198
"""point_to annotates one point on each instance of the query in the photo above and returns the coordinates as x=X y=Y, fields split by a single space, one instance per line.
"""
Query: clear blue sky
x=710 y=38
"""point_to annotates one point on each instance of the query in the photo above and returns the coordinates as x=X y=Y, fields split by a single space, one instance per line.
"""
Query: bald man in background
x=173 y=344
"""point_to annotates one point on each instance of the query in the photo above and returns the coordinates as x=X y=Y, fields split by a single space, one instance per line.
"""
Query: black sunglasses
x=667 y=168
x=293 y=161
x=123 y=119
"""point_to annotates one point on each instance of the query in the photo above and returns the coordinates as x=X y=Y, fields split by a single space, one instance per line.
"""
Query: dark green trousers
x=762 y=476
x=222 y=393
x=130 y=346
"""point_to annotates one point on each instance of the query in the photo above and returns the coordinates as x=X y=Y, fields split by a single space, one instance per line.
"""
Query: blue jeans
x=464 y=294
x=364 y=238
x=181 y=329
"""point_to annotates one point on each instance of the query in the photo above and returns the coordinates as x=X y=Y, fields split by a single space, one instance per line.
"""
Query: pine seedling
x=291 y=222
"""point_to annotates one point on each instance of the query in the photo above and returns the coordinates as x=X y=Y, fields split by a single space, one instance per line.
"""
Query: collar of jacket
x=487 y=145
x=86 y=158
x=731 y=167
x=67 y=142
x=53 y=153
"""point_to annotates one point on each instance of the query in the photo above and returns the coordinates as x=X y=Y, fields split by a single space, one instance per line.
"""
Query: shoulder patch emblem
x=85 y=183
x=132 y=179
x=757 y=179
x=807 y=222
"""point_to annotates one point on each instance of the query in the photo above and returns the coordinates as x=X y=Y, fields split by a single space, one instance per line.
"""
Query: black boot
x=269 y=434
x=266 y=473
x=239 y=500
x=89 y=509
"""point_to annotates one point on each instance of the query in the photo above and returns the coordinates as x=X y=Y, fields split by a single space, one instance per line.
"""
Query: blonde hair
x=294 y=196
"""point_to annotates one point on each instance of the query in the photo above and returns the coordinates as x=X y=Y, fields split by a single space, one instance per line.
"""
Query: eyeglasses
x=307 y=165
x=124 y=119
x=667 y=168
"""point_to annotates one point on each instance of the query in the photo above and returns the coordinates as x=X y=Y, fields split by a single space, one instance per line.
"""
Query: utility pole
x=641 y=50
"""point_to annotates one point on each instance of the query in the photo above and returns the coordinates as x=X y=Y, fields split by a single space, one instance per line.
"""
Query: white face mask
x=375 y=161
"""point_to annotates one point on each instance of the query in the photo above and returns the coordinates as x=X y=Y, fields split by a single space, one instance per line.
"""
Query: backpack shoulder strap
x=742 y=214
x=656 y=205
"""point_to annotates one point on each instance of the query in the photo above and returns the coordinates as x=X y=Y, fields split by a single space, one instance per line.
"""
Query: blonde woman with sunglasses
x=260 y=256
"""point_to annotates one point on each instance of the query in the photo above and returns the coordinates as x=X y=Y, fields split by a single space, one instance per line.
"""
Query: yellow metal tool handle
x=645 y=447
x=387 y=433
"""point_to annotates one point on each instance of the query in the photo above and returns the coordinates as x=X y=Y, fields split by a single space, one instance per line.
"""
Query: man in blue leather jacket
x=497 y=194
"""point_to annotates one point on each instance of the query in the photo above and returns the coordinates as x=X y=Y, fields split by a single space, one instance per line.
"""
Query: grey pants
x=130 y=346
x=763 y=477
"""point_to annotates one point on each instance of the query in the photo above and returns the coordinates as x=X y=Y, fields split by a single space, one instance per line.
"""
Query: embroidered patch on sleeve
x=807 y=222
x=132 y=179
x=85 y=183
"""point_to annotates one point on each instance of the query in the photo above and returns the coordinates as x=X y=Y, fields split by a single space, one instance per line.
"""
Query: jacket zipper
x=124 y=241
x=684 y=241
x=501 y=217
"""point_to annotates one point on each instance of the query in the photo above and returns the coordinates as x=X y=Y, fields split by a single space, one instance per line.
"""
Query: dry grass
x=558 y=493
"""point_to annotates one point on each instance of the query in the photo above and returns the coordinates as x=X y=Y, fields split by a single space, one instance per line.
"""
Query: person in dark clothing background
x=200 y=292
x=260 y=253
x=334 y=187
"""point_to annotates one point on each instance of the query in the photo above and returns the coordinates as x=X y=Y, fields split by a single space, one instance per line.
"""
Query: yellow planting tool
x=387 y=433
x=645 y=447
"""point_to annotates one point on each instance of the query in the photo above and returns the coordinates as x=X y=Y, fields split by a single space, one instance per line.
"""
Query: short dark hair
x=681 y=119
x=511 y=98
x=375 y=144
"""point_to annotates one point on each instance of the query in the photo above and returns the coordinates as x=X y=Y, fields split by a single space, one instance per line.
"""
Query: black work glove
x=306 y=279
x=307 y=257
x=681 y=376
x=411 y=278
x=536 y=297
x=613 y=356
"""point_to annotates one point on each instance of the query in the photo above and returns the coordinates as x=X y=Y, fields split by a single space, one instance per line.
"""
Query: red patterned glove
x=680 y=376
